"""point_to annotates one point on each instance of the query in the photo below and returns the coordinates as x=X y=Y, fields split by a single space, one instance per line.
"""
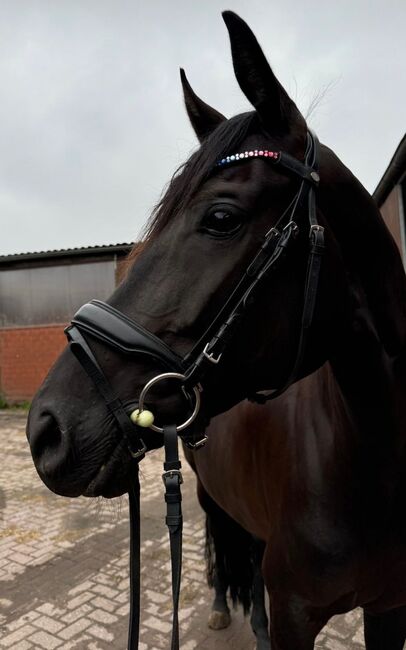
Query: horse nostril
x=45 y=438
x=50 y=447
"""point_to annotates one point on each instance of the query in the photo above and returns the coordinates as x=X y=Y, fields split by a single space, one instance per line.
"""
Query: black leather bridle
x=98 y=320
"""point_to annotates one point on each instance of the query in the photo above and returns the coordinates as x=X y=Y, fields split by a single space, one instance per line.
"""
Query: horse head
x=220 y=207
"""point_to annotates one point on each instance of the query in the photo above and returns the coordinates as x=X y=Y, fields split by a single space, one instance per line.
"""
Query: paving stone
x=49 y=624
x=49 y=609
x=104 y=603
x=73 y=629
x=124 y=610
x=79 y=643
x=73 y=616
x=23 y=645
x=335 y=644
x=22 y=620
x=11 y=639
x=45 y=640
x=4 y=602
x=79 y=600
x=101 y=633
x=80 y=588
x=65 y=570
x=359 y=636
x=159 y=625
x=105 y=591
x=101 y=616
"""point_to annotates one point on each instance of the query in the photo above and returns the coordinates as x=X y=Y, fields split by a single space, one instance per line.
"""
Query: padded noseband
x=109 y=325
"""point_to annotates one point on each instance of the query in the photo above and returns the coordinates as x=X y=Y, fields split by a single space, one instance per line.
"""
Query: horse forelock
x=190 y=176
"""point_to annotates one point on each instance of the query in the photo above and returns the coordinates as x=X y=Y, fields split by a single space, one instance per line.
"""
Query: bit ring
x=170 y=375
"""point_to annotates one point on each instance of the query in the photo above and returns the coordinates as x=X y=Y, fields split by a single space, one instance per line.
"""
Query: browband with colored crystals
x=255 y=153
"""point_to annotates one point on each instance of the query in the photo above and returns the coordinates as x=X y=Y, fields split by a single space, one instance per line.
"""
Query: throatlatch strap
x=172 y=478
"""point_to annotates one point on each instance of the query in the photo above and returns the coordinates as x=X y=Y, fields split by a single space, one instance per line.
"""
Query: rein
x=108 y=325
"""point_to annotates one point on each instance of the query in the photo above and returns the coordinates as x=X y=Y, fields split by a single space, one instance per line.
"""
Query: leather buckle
x=292 y=225
x=316 y=228
x=196 y=445
x=316 y=236
x=171 y=473
x=211 y=357
x=140 y=452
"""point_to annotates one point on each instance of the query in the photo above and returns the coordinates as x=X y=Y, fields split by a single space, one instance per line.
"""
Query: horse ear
x=204 y=118
x=255 y=77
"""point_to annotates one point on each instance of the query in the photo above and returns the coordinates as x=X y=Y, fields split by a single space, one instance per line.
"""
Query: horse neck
x=371 y=388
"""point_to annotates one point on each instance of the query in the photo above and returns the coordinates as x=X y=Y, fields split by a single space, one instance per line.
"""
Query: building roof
x=393 y=174
x=83 y=251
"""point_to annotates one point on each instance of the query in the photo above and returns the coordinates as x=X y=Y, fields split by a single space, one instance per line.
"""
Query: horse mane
x=190 y=176
x=369 y=251
x=365 y=240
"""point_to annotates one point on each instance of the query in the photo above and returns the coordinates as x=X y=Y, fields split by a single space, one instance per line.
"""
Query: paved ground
x=63 y=567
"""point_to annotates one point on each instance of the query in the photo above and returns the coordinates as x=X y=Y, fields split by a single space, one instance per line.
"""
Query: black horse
x=318 y=474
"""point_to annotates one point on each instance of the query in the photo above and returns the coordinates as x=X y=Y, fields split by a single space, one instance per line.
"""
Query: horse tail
x=230 y=553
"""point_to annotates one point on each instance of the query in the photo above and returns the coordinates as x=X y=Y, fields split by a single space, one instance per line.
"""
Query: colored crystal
x=263 y=153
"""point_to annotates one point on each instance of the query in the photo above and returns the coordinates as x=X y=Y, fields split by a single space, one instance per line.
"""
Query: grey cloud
x=92 y=123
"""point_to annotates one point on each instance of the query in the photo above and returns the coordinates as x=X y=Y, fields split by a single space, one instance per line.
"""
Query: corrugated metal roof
x=67 y=252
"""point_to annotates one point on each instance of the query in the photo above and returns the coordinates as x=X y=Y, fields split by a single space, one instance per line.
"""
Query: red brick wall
x=26 y=355
x=390 y=211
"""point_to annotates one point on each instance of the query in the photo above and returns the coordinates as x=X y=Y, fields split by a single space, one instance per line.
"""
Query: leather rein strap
x=106 y=324
x=172 y=478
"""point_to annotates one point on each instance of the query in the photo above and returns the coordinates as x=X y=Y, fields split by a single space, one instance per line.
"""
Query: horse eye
x=221 y=223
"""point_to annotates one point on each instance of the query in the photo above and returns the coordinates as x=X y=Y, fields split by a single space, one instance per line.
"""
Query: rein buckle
x=171 y=473
x=140 y=452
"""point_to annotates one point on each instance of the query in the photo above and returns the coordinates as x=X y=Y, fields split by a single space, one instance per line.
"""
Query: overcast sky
x=92 y=123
